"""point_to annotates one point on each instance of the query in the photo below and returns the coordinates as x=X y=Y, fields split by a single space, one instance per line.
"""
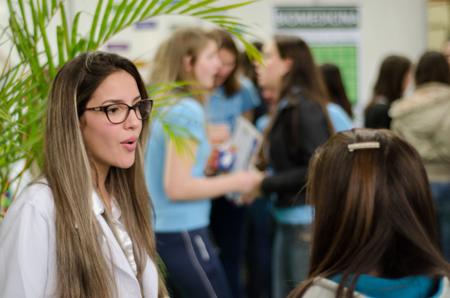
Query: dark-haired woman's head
x=373 y=209
x=335 y=86
x=288 y=63
x=432 y=67
x=393 y=78
x=247 y=66
x=227 y=75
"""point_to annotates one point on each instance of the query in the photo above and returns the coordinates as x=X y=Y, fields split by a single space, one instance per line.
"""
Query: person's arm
x=249 y=115
x=285 y=182
x=179 y=183
x=24 y=253
x=218 y=133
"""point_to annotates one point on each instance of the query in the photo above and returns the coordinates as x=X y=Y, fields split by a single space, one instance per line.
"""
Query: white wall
x=389 y=26
x=3 y=23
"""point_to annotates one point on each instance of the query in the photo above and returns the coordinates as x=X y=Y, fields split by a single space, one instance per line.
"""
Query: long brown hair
x=390 y=80
x=82 y=270
x=304 y=72
x=226 y=42
x=432 y=67
x=373 y=212
x=304 y=76
x=335 y=86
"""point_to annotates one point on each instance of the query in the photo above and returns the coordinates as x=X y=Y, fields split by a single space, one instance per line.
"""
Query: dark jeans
x=193 y=268
x=441 y=196
x=290 y=257
x=259 y=222
x=227 y=227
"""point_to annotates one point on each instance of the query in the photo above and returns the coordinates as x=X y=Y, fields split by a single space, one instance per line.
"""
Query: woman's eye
x=112 y=109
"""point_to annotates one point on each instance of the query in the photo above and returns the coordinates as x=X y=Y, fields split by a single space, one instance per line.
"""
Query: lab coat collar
x=97 y=204
x=110 y=246
x=98 y=208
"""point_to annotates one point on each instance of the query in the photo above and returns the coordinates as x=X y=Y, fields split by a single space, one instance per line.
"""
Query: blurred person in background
x=259 y=222
x=339 y=107
x=393 y=78
x=234 y=96
x=298 y=126
x=423 y=119
x=175 y=172
x=335 y=86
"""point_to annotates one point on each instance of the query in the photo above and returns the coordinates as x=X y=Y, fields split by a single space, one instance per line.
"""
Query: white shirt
x=28 y=250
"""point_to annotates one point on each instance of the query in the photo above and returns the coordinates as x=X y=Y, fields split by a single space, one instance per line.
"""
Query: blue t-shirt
x=418 y=286
x=338 y=117
x=223 y=109
x=186 y=119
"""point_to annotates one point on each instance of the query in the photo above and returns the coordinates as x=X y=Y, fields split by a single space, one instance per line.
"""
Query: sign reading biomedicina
x=303 y=17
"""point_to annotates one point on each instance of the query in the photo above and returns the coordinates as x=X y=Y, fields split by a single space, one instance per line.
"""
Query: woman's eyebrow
x=121 y=100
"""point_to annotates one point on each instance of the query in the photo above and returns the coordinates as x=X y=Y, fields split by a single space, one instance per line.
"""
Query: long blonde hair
x=169 y=61
x=82 y=269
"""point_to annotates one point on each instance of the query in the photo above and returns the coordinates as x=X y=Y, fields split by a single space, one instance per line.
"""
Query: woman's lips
x=130 y=144
x=130 y=147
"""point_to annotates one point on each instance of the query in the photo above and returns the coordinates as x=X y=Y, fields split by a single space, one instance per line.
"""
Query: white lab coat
x=28 y=250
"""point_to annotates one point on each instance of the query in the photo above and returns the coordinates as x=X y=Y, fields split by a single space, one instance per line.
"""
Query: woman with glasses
x=83 y=229
x=175 y=173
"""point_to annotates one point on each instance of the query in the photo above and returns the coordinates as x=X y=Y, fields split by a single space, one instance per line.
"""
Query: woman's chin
x=125 y=164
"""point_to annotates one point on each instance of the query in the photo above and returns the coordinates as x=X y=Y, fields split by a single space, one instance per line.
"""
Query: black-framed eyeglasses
x=118 y=112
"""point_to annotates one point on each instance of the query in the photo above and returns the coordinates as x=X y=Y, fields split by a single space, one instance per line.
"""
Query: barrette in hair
x=363 y=145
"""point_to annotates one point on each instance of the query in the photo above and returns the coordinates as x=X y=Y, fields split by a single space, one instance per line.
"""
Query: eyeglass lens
x=118 y=113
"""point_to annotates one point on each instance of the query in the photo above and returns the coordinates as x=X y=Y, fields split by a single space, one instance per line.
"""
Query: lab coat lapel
x=110 y=246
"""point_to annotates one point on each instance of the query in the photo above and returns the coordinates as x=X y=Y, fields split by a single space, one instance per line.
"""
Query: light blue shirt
x=298 y=215
x=185 y=119
x=223 y=109
x=338 y=117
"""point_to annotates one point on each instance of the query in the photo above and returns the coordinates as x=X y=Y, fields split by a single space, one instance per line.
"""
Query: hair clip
x=363 y=145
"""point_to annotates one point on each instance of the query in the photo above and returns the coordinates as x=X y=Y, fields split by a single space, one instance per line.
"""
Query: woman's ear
x=187 y=64
x=287 y=64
